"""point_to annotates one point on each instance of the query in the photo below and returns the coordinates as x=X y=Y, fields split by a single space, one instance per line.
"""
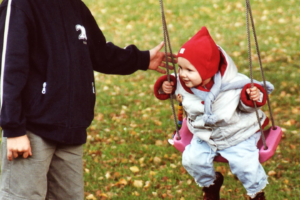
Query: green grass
x=131 y=126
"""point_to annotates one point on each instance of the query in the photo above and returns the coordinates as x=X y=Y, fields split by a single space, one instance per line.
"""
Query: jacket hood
x=228 y=72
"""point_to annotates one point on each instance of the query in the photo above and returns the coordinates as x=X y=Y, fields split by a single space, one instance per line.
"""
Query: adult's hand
x=157 y=59
x=17 y=146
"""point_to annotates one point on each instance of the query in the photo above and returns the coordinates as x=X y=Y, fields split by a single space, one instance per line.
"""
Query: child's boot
x=213 y=192
x=259 y=196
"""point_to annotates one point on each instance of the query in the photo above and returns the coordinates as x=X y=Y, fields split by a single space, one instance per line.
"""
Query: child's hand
x=18 y=146
x=254 y=93
x=167 y=87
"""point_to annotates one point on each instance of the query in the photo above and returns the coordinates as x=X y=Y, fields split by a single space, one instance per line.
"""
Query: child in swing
x=220 y=113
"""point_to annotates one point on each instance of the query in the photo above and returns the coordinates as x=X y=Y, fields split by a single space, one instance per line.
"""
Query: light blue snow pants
x=243 y=160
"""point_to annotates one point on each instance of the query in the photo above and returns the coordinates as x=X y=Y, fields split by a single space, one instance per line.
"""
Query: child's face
x=188 y=73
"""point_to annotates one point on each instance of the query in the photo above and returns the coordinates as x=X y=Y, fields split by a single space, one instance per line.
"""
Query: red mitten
x=158 y=85
x=245 y=97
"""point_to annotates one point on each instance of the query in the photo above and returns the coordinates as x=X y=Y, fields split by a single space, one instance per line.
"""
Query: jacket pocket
x=32 y=97
x=48 y=105
x=82 y=105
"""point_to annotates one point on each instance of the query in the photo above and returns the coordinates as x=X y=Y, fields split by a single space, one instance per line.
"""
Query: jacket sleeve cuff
x=158 y=85
x=245 y=97
x=14 y=132
x=145 y=60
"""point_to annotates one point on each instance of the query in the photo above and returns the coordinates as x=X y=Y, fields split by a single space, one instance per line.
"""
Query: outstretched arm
x=110 y=59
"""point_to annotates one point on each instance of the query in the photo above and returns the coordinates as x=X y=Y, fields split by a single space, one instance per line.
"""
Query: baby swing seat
x=272 y=136
x=269 y=139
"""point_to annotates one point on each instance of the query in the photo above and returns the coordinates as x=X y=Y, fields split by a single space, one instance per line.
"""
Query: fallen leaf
x=179 y=191
x=152 y=173
x=157 y=160
x=138 y=183
x=173 y=166
x=165 y=178
x=133 y=125
x=99 y=117
x=158 y=123
x=147 y=184
x=116 y=175
x=136 y=193
x=290 y=122
x=121 y=182
x=141 y=160
x=158 y=143
x=271 y=173
x=107 y=175
x=134 y=169
x=91 y=197
x=102 y=195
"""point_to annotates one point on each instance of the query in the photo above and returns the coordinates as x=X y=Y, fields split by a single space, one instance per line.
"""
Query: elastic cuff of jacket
x=145 y=59
x=158 y=85
x=245 y=97
x=14 y=132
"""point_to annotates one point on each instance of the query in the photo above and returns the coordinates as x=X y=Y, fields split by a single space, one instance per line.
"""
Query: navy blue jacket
x=50 y=49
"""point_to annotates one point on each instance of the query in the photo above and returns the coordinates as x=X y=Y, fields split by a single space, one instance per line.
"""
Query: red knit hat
x=202 y=52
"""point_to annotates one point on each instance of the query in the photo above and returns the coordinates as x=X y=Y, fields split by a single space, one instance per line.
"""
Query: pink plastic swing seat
x=272 y=137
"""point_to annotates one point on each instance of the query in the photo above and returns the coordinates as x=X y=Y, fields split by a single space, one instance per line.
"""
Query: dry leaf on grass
x=272 y=173
x=138 y=183
x=134 y=169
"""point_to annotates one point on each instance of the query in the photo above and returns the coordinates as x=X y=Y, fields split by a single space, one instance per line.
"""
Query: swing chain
x=260 y=63
x=248 y=9
x=167 y=44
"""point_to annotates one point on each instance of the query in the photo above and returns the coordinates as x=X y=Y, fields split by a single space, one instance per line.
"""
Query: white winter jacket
x=235 y=118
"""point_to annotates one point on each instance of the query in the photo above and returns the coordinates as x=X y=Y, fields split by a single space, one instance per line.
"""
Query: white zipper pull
x=44 y=88
x=93 y=86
